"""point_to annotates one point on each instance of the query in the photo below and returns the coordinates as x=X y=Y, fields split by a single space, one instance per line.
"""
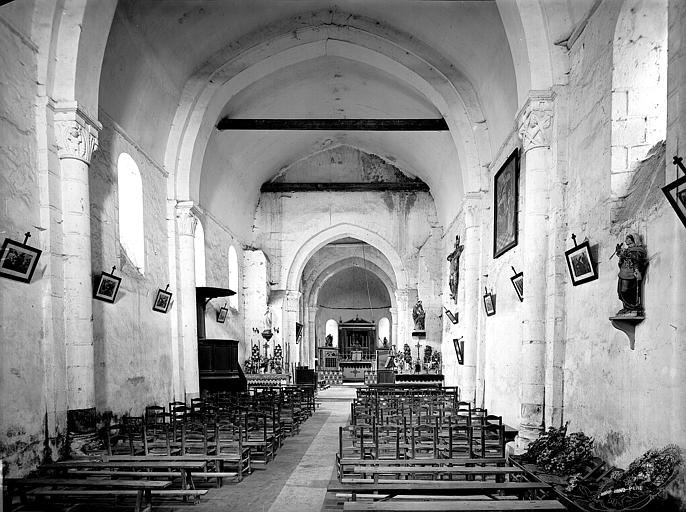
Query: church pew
x=455 y=505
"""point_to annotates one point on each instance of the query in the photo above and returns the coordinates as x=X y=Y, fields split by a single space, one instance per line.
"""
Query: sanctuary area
x=342 y=255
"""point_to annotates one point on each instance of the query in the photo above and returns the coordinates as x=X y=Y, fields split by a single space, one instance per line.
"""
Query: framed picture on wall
x=459 y=350
x=452 y=317
x=162 y=301
x=18 y=261
x=676 y=195
x=518 y=283
x=505 y=205
x=106 y=287
x=489 y=304
x=580 y=264
x=221 y=314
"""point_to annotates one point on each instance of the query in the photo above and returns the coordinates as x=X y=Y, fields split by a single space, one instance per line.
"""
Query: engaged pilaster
x=186 y=221
x=535 y=129
x=76 y=135
x=467 y=373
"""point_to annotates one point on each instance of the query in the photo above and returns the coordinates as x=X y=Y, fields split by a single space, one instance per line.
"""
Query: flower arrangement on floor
x=645 y=479
x=556 y=452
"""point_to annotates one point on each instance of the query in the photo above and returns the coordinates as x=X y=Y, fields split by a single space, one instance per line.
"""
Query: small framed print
x=452 y=317
x=221 y=314
x=107 y=287
x=489 y=304
x=676 y=195
x=518 y=283
x=162 y=301
x=18 y=261
x=459 y=350
x=580 y=264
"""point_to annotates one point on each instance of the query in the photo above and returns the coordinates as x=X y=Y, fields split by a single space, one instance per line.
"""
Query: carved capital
x=76 y=133
x=535 y=121
x=186 y=219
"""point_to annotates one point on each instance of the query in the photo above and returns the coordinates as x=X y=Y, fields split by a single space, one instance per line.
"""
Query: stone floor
x=295 y=481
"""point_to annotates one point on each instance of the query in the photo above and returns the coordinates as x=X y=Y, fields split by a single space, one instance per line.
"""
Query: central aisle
x=296 y=480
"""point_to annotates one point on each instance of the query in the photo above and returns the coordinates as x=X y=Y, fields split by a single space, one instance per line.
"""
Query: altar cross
x=418 y=345
x=266 y=346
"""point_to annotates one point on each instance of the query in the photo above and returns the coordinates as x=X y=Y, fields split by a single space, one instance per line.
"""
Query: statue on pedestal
x=268 y=319
x=633 y=261
x=418 y=316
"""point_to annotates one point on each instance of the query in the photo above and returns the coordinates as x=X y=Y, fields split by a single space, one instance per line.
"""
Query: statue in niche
x=633 y=261
x=385 y=342
x=418 y=316
x=454 y=259
x=329 y=340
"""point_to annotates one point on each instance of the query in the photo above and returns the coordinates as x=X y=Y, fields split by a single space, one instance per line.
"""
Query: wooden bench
x=243 y=466
x=185 y=468
x=436 y=487
x=433 y=471
x=142 y=488
x=346 y=462
x=455 y=505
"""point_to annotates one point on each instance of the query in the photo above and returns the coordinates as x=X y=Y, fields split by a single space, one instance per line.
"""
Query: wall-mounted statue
x=329 y=340
x=418 y=316
x=454 y=259
x=633 y=261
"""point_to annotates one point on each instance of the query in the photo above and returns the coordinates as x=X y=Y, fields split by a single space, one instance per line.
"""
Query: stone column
x=311 y=339
x=186 y=221
x=291 y=307
x=77 y=138
x=404 y=319
x=394 y=326
x=535 y=129
x=469 y=279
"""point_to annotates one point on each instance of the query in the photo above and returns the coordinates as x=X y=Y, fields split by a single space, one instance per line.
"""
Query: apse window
x=199 y=245
x=130 y=189
x=233 y=277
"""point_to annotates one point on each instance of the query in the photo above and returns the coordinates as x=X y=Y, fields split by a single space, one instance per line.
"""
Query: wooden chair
x=135 y=432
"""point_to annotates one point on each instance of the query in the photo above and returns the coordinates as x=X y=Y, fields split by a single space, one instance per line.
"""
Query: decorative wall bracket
x=627 y=324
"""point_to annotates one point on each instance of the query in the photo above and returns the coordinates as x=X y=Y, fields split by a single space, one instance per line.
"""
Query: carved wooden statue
x=454 y=259
x=633 y=261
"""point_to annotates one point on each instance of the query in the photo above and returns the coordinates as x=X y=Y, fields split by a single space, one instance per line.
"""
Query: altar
x=353 y=371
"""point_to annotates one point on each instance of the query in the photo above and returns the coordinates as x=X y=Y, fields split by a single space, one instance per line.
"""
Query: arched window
x=233 y=277
x=385 y=330
x=332 y=329
x=639 y=87
x=130 y=188
x=199 y=243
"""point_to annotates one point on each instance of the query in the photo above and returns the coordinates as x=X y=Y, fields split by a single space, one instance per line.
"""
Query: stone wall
x=628 y=400
x=22 y=329
x=132 y=343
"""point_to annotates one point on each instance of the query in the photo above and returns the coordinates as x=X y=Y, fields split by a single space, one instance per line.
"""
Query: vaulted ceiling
x=172 y=69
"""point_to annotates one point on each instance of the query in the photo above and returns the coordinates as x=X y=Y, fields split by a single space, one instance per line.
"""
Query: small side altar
x=354 y=370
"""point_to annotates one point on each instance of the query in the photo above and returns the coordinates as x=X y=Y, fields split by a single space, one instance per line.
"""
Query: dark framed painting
x=518 y=283
x=162 y=301
x=489 y=304
x=452 y=317
x=505 y=205
x=107 y=287
x=459 y=350
x=580 y=264
x=298 y=332
x=18 y=261
x=676 y=195
x=221 y=314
